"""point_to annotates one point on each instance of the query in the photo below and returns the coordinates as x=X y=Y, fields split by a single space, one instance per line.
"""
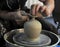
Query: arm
x=46 y=9
x=50 y=6
x=12 y=15
x=7 y=15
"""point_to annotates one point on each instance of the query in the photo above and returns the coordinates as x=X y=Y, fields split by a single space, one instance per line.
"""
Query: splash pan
x=8 y=37
x=20 y=39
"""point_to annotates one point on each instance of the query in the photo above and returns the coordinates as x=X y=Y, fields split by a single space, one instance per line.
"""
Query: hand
x=21 y=15
x=37 y=10
x=21 y=18
x=45 y=10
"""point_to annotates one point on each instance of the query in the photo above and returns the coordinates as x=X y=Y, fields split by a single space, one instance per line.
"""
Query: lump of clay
x=32 y=29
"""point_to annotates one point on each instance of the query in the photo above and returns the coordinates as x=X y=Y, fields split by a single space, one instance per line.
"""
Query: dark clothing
x=6 y=4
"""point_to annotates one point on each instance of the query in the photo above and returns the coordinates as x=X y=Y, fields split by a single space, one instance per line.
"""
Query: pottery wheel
x=19 y=39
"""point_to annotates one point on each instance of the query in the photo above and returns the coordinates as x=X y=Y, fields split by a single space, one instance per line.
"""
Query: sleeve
x=12 y=4
x=3 y=5
x=22 y=3
x=9 y=4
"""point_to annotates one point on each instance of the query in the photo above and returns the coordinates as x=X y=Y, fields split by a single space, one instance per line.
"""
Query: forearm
x=8 y=15
x=50 y=5
x=13 y=16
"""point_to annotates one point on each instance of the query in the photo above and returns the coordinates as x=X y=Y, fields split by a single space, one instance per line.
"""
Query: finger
x=33 y=9
x=37 y=7
x=43 y=8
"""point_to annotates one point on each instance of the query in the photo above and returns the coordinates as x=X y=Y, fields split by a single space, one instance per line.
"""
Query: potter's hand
x=21 y=17
x=35 y=10
x=18 y=17
x=39 y=10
